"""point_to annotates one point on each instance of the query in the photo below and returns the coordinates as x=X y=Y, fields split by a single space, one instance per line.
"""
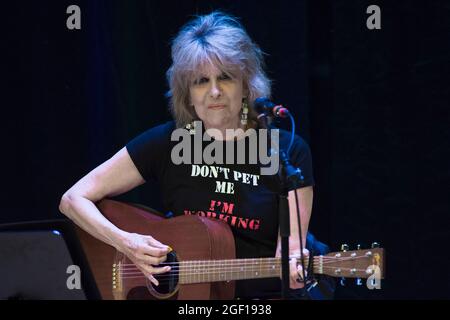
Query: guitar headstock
x=351 y=263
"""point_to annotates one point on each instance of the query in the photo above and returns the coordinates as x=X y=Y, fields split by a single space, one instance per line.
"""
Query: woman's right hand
x=145 y=252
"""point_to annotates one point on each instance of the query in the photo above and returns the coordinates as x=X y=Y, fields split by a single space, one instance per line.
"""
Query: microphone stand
x=289 y=178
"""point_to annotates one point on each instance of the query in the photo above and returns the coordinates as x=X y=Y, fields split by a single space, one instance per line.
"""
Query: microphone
x=264 y=106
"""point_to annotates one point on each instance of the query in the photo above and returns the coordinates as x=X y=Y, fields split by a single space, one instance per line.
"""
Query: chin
x=219 y=123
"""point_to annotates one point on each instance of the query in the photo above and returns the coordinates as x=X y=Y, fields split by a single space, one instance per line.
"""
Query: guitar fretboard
x=227 y=270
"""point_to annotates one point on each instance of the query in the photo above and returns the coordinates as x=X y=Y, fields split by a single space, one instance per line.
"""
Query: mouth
x=216 y=106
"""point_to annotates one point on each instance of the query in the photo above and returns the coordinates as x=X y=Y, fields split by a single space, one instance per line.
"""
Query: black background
x=371 y=103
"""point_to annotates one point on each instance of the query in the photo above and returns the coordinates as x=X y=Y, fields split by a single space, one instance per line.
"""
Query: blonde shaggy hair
x=220 y=40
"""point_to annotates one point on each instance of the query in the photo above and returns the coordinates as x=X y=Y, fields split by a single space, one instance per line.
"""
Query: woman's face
x=217 y=99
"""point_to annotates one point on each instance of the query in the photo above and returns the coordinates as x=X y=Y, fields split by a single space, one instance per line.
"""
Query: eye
x=224 y=76
x=201 y=80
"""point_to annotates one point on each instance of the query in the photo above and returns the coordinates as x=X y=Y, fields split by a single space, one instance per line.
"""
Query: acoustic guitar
x=203 y=262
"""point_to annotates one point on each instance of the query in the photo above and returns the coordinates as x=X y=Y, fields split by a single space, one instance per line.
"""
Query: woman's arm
x=115 y=176
x=305 y=201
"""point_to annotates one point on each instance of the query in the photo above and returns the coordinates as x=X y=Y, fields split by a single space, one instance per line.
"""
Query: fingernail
x=169 y=248
x=154 y=281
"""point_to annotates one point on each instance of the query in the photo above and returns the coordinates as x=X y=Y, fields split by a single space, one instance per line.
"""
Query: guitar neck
x=349 y=264
x=227 y=270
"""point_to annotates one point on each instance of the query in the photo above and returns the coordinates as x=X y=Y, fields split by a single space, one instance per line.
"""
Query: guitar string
x=225 y=268
x=162 y=280
x=232 y=261
x=166 y=277
x=268 y=259
x=198 y=279
x=210 y=263
x=219 y=270
x=278 y=258
x=189 y=272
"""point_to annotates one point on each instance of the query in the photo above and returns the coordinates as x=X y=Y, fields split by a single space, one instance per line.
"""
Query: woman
x=217 y=73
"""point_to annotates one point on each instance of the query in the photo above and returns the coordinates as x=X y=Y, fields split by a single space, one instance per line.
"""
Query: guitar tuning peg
x=344 y=247
x=375 y=245
x=358 y=280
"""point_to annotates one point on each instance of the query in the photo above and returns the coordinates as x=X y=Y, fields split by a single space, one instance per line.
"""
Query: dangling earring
x=244 y=112
x=191 y=127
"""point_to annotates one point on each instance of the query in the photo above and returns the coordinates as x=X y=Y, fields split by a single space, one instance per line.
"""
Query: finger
x=147 y=271
x=150 y=260
x=296 y=283
x=300 y=271
x=298 y=277
x=305 y=252
x=153 y=280
x=155 y=270
x=156 y=243
x=154 y=252
x=150 y=271
x=293 y=269
x=297 y=254
x=161 y=270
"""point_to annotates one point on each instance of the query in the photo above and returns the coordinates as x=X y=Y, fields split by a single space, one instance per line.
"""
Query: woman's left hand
x=296 y=269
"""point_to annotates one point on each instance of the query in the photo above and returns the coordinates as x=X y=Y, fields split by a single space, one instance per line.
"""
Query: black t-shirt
x=236 y=193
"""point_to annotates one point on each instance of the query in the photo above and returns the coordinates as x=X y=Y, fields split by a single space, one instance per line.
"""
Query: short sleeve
x=149 y=151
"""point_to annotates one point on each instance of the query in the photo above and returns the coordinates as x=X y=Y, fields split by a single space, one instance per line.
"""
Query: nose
x=215 y=91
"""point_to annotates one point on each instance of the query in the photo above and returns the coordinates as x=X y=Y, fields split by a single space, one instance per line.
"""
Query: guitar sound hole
x=168 y=281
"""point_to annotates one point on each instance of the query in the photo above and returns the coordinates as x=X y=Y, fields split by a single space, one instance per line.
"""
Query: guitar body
x=191 y=237
x=203 y=257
